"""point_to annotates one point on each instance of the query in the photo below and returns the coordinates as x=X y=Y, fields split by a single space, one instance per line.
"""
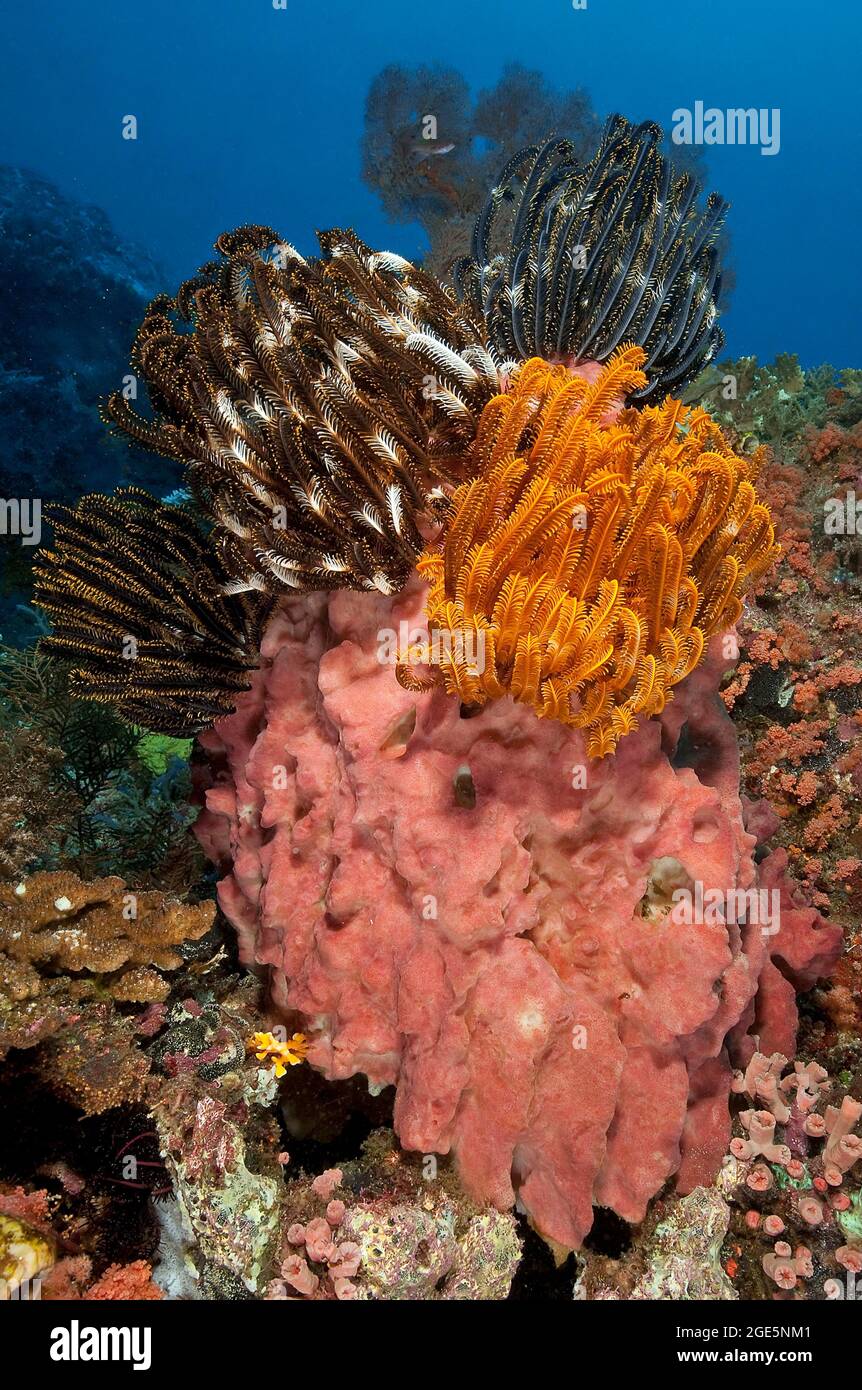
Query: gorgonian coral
x=318 y=403
x=137 y=596
x=598 y=254
x=584 y=567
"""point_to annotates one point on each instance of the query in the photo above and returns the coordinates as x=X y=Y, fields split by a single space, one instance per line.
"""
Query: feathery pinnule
x=570 y=260
x=137 y=598
x=320 y=404
x=593 y=624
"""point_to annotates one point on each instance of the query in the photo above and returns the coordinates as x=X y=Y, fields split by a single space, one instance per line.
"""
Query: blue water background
x=249 y=113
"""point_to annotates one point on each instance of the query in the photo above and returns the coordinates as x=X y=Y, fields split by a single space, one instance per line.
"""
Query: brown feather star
x=319 y=404
x=593 y=554
x=136 y=596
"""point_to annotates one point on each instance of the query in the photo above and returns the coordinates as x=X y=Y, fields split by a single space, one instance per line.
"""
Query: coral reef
x=492 y=986
x=386 y=1228
x=30 y=771
x=795 y=695
x=61 y=924
x=677 y=1255
x=70 y=952
x=793 y=1178
x=33 y=1265
x=71 y=293
x=250 y=1221
x=593 y=999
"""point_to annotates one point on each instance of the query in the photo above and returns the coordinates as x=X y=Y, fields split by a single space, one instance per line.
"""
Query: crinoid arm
x=570 y=260
x=141 y=605
x=597 y=553
x=319 y=404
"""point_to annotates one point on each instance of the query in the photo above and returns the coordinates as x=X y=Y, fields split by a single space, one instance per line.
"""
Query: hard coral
x=56 y=921
x=595 y=553
x=564 y=1042
x=69 y=953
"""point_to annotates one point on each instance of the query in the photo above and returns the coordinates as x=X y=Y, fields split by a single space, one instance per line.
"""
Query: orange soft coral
x=283 y=1053
x=593 y=553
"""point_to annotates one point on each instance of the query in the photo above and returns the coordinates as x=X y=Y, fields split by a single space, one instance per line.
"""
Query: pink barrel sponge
x=468 y=910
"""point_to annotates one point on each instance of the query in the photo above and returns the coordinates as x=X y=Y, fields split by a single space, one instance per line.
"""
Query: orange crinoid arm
x=595 y=551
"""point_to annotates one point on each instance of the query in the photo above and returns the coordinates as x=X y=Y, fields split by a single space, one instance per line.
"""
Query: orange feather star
x=594 y=553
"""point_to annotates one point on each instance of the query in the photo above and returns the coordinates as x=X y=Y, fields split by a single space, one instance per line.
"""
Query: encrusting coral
x=72 y=956
x=595 y=553
x=35 y=1262
x=56 y=922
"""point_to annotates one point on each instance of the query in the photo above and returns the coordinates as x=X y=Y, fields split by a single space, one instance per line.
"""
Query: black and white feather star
x=319 y=405
x=570 y=260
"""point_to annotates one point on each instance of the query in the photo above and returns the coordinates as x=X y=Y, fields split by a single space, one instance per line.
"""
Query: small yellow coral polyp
x=282 y=1054
x=593 y=553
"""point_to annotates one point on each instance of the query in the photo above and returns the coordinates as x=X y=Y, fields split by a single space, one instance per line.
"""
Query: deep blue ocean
x=251 y=113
